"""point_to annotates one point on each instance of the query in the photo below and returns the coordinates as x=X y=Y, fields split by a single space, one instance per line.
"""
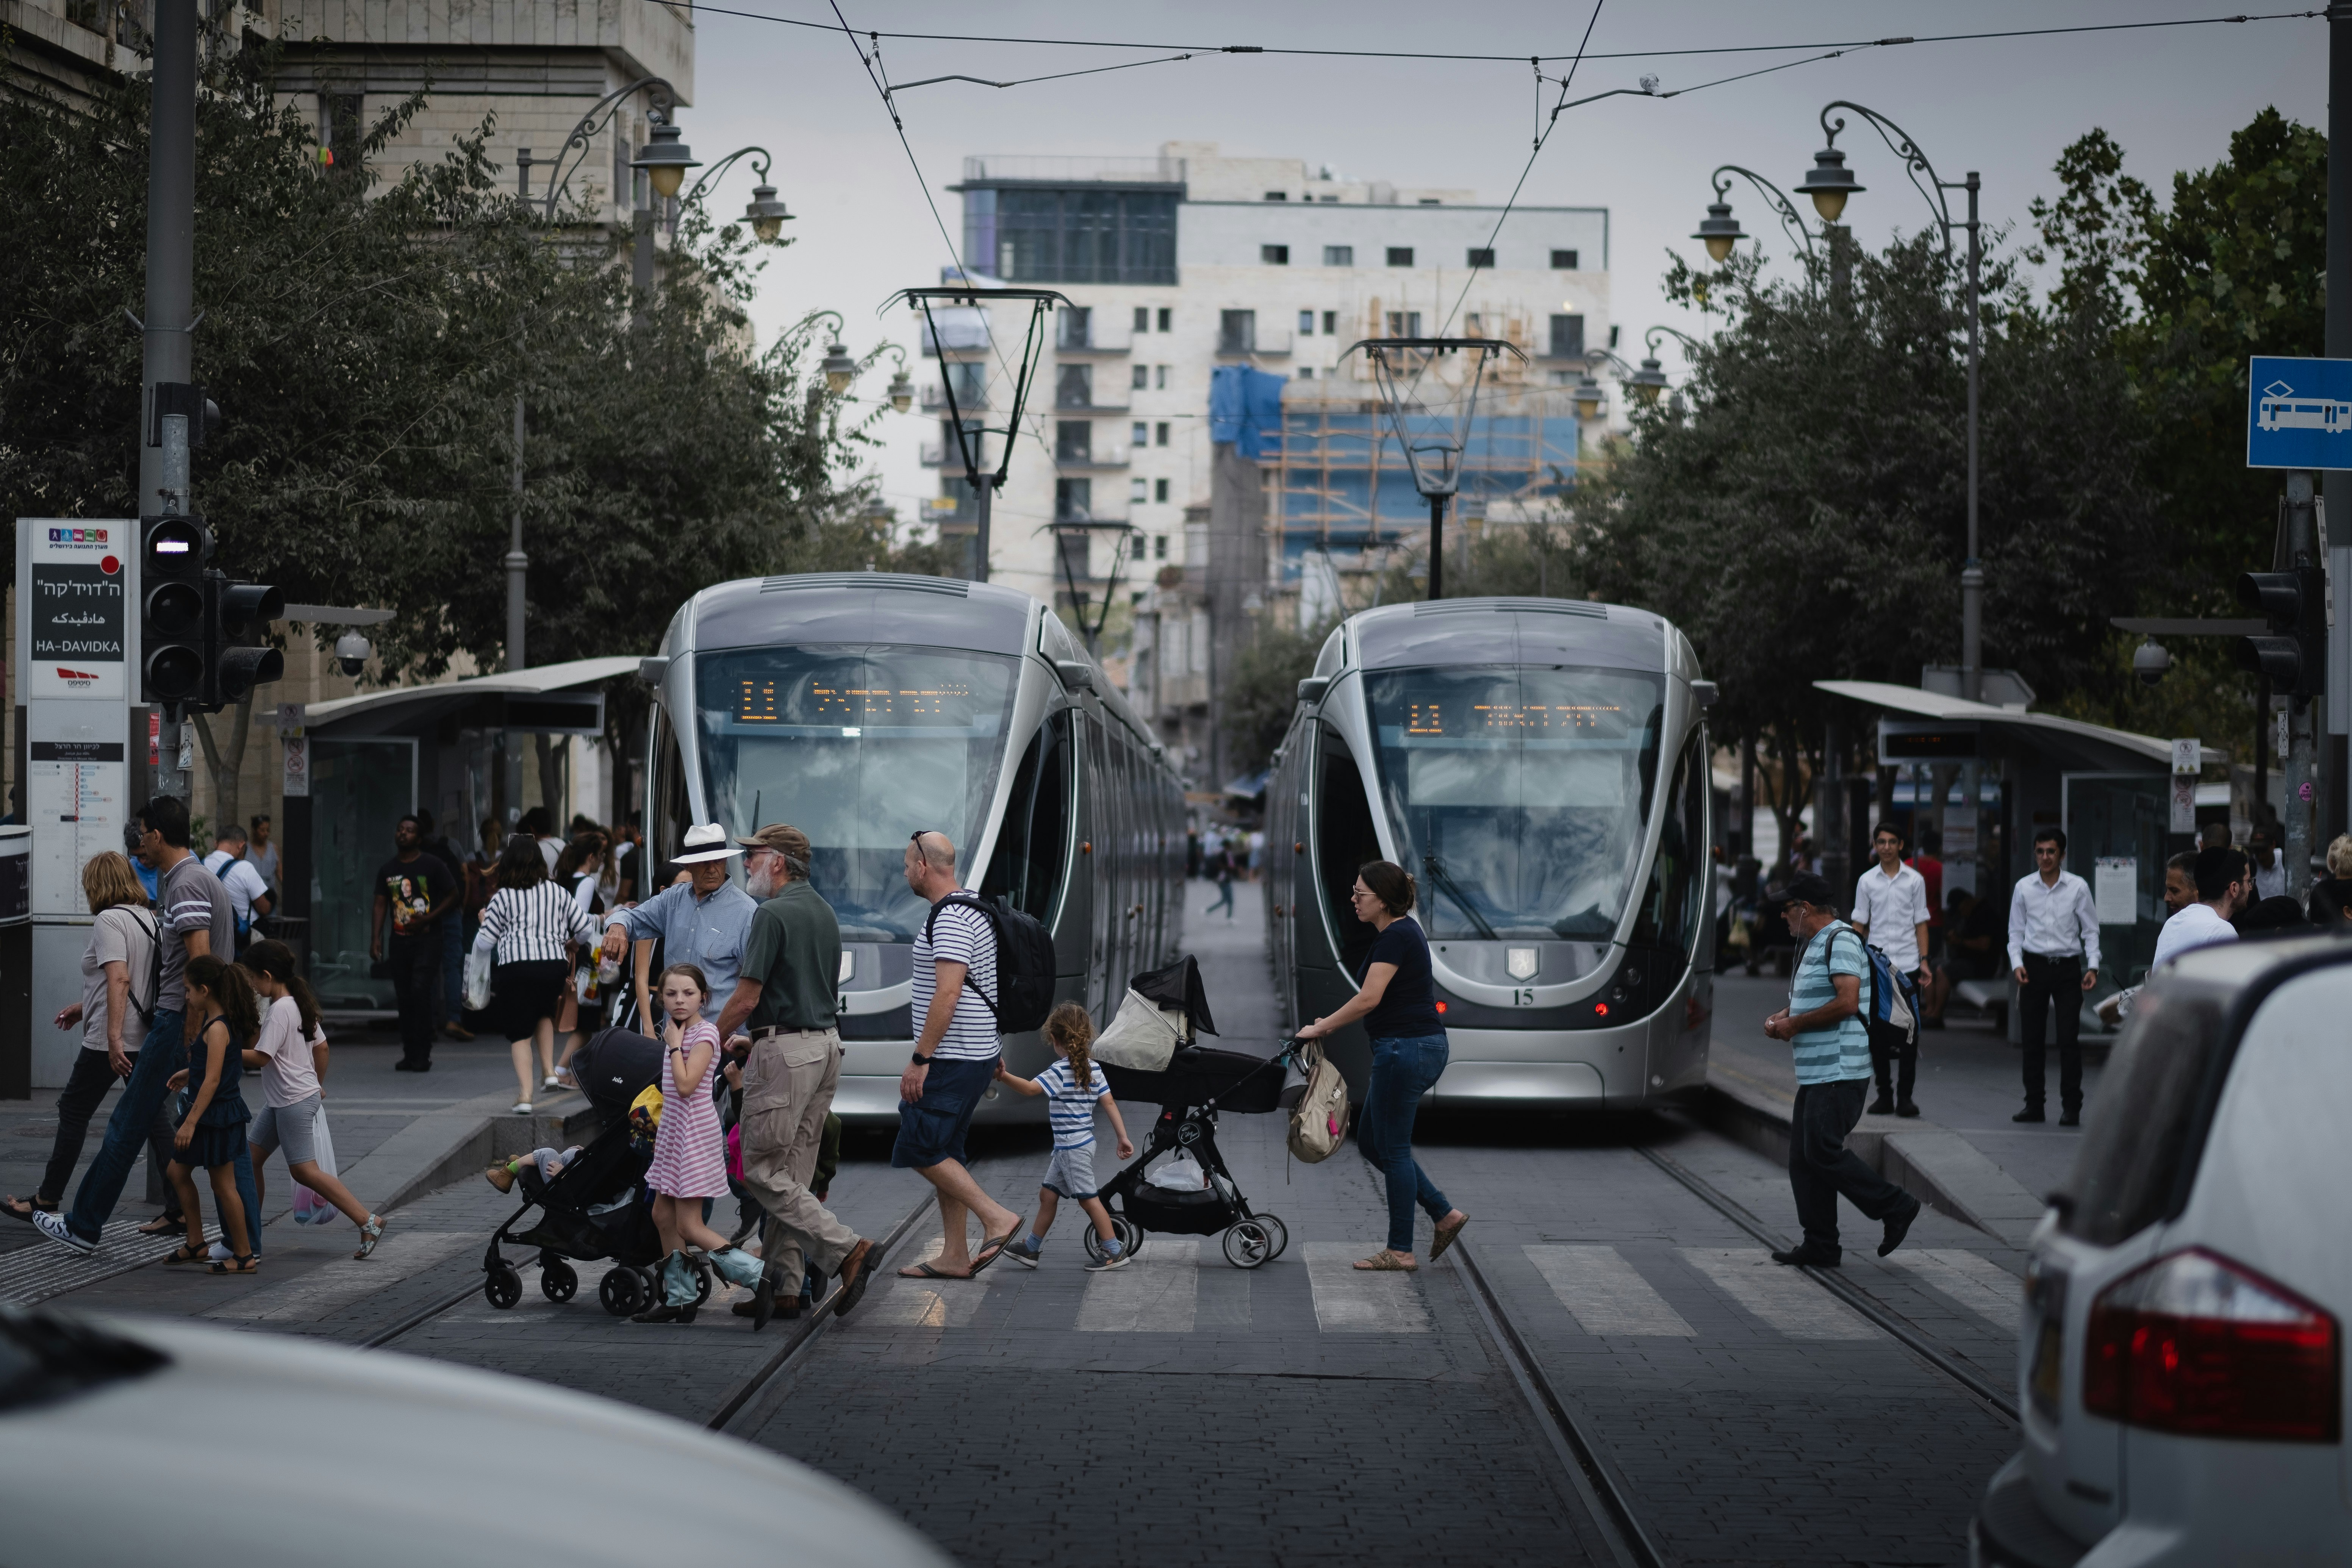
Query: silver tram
x=1541 y=766
x=863 y=707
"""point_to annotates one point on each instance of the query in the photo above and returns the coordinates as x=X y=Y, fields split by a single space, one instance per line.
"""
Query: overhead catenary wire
x=2234 y=19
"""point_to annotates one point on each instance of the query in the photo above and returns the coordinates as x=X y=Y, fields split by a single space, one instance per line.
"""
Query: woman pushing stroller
x=689 y=1161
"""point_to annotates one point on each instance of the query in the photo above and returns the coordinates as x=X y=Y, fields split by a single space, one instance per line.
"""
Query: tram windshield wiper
x=1436 y=869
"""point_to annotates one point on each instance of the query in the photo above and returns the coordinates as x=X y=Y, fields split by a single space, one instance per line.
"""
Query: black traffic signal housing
x=237 y=618
x=2294 y=656
x=174 y=610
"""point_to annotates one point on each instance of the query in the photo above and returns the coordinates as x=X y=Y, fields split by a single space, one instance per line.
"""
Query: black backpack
x=1024 y=961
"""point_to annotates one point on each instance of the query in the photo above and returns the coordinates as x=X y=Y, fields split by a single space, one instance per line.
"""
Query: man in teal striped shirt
x=1826 y=1028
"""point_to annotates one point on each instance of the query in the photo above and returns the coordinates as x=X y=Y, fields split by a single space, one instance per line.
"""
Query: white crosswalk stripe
x=1605 y=1294
x=1157 y=1293
x=399 y=1255
x=1352 y=1300
x=1781 y=1296
x=1975 y=1281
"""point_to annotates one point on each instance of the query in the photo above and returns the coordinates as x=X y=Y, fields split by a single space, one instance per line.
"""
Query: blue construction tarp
x=1246 y=409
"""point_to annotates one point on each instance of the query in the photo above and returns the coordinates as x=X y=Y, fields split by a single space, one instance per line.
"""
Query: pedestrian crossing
x=1975 y=1282
x=1782 y=1297
x=1605 y=1294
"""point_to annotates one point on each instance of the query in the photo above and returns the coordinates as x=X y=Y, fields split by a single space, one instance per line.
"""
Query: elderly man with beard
x=786 y=993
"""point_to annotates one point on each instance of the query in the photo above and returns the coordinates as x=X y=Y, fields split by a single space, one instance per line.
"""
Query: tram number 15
x=1523 y=997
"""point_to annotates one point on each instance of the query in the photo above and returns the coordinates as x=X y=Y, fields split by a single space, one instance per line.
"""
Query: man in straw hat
x=703 y=920
x=787 y=993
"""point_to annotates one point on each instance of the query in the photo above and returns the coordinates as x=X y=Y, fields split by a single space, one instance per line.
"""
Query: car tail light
x=2195 y=1343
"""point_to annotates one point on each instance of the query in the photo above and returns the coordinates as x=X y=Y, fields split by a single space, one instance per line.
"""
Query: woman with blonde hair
x=118 y=973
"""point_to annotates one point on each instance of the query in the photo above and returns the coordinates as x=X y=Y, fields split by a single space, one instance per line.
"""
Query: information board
x=78 y=609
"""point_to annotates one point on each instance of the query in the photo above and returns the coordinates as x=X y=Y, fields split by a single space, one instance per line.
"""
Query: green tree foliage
x=1800 y=511
x=1262 y=691
x=367 y=341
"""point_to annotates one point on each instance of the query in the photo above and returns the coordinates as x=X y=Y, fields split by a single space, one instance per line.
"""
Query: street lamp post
x=1829 y=183
x=1720 y=231
x=766 y=215
x=1436 y=458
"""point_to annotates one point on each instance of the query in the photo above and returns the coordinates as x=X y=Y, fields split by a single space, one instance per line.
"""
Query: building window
x=1159 y=492
x=1236 y=332
x=344 y=115
x=1075 y=549
x=1400 y=256
x=1074 y=386
x=1159 y=375
x=1160 y=434
x=1404 y=324
x=968 y=378
x=1305 y=323
x=1277 y=195
x=1160 y=541
x=1074 y=441
x=1307 y=373
x=1338 y=256
x=1429 y=201
x=1166 y=315
x=1474 y=325
x=1481 y=257
x=1274 y=255
x=1074 y=502
x=1137 y=491
x=1076 y=330
x=1138 y=434
x=1330 y=323
x=1143 y=318
x=1567 y=337
x=1076 y=235
x=1326 y=198
x=1564 y=260
x=1140 y=377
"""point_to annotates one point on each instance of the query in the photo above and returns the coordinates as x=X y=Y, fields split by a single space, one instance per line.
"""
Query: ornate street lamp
x=1435 y=455
x=840 y=370
x=665 y=159
x=1720 y=231
x=766 y=215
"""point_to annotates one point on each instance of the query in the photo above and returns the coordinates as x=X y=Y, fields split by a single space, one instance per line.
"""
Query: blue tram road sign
x=2298 y=413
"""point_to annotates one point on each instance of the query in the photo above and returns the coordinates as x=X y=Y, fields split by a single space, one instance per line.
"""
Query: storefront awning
x=373 y=708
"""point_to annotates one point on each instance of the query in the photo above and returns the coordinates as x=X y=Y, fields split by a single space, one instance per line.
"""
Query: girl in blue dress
x=222 y=1018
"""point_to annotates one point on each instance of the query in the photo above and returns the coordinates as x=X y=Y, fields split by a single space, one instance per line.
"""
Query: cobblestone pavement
x=1302 y=1411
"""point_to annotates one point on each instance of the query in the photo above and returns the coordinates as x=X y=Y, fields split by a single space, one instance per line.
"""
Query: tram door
x=1344 y=839
x=1094 y=868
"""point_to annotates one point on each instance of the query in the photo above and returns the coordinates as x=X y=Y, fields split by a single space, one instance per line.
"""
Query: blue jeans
x=161 y=1054
x=1402 y=1071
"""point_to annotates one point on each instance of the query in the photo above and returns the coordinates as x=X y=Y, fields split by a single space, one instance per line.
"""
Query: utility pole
x=167 y=355
x=2338 y=345
x=2301 y=776
x=518 y=563
x=1972 y=576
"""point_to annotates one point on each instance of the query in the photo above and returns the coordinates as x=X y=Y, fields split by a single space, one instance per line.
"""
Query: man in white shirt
x=2270 y=866
x=2225 y=884
x=1890 y=911
x=248 y=895
x=2054 y=955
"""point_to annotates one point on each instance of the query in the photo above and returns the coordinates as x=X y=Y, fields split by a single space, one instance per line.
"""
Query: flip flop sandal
x=994 y=1247
x=924 y=1271
x=163 y=1224
x=370 y=1233
x=238 y=1263
x=183 y=1253
x=26 y=1208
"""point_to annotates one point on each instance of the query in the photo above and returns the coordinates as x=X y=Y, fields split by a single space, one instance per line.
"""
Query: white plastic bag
x=1181 y=1175
x=1142 y=1036
x=309 y=1208
x=477 y=979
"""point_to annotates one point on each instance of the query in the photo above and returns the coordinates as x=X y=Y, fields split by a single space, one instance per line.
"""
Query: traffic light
x=238 y=615
x=176 y=611
x=2295 y=655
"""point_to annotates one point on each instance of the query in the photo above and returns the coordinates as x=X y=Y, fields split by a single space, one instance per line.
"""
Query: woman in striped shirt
x=532 y=927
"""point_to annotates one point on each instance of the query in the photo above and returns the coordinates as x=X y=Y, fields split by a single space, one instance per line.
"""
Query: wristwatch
x=922 y=1060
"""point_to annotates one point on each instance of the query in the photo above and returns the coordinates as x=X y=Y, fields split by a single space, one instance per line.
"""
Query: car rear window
x=2129 y=1163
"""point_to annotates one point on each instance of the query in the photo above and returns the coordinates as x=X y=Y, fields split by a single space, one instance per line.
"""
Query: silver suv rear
x=2181 y=1365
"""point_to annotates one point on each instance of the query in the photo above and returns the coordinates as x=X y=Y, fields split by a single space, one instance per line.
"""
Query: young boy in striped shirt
x=1072 y=1087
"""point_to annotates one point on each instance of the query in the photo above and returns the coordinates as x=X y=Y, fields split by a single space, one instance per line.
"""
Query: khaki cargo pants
x=789 y=1081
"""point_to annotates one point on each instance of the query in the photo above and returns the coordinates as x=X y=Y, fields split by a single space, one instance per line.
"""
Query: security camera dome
x=2150 y=661
x=353 y=652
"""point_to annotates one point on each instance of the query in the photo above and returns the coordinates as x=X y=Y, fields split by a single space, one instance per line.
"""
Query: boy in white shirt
x=1890 y=911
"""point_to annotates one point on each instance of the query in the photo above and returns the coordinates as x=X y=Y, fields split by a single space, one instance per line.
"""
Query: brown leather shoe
x=500 y=1177
x=856 y=1270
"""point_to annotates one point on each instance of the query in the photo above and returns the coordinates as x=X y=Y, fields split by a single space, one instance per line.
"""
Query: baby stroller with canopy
x=1192 y=1086
x=595 y=1208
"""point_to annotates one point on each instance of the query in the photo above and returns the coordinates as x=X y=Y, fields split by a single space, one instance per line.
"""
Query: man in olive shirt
x=785 y=992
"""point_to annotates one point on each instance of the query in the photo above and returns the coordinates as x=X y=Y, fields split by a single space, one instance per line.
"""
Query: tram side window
x=1034 y=847
x=667 y=813
x=1677 y=896
x=1344 y=839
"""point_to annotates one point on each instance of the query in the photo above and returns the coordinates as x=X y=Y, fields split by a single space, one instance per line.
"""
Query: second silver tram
x=1541 y=766
x=863 y=707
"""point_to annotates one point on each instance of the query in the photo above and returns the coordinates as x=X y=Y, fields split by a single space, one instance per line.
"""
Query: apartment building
x=1191 y=259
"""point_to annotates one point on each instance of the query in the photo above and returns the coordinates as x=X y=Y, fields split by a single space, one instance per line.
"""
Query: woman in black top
x=1398 y=1004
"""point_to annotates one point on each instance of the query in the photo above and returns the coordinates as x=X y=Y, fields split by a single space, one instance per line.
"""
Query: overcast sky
x=2005 y=107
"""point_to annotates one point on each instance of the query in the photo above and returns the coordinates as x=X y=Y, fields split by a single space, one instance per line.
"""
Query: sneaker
x=1119 y=1259
x=522 y=1108
x=1027 y=1251
x=54 y=1227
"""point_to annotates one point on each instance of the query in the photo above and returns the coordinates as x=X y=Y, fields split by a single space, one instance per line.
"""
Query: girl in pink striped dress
x=689 y=1161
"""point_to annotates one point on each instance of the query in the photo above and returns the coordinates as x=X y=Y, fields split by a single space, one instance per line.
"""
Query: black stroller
x=595 y=1208
x=1197 y=1084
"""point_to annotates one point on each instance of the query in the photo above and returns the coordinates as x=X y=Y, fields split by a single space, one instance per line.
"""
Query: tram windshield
x=858 y=746
x=1518 y=794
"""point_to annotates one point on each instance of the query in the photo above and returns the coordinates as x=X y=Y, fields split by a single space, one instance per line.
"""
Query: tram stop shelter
x=2108 y=790
x=455 y=748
